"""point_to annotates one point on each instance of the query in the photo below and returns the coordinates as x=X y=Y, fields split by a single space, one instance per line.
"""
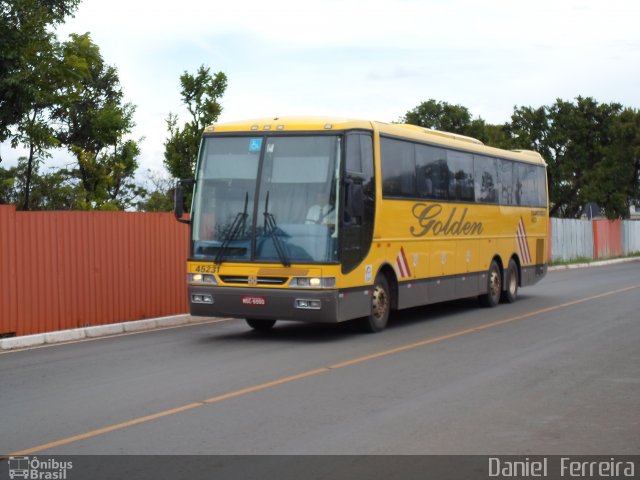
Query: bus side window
x=432 y=172
x=359 y=161
x=486 y=179
x=505 y=181
x=354 y=156
x=460 y=166
x=542 y=187
x=398 y=168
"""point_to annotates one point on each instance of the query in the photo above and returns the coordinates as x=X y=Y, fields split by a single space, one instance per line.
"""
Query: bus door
x=359 y=200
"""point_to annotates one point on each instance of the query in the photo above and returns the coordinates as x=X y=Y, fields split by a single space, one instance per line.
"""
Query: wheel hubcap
x=380 y=302
x=495 y=284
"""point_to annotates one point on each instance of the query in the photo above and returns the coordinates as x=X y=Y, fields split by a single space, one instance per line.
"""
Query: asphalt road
x=556 y=372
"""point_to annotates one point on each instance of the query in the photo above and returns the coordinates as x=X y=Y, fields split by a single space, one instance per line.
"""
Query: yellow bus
x=329 y=219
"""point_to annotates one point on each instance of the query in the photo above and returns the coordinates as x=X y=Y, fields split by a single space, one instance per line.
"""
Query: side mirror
x=178 y=199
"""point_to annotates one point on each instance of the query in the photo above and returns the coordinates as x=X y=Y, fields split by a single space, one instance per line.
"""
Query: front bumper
x=266 y=303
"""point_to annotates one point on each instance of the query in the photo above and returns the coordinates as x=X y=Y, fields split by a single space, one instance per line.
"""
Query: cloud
x=371 y=58
x=396 y=73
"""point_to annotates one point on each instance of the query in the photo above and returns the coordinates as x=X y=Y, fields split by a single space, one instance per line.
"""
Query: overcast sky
x=364 y=58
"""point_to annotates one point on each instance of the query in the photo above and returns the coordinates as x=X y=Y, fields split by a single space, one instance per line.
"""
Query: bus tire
x=510 y=293
x=377 y=320
x=494 y=287
x=260 y=325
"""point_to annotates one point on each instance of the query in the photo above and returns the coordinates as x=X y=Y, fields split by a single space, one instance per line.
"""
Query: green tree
x=591 y=150
x=94 y=122
x=160 y=197
x=201 y=94
x=440 y=116
x=55 y=191
x=62 y=94
x=31 y=73
x=457 y=119
x=33 y=129
x=26 y=39
x=49 y=191
x=8 y=192
x=618 y=178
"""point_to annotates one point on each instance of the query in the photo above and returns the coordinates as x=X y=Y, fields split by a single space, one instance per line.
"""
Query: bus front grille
x=244 y=280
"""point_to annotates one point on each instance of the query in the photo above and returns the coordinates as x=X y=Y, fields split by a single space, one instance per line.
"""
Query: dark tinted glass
x=354 y=154
x=432 y=172
x=527 y=185
x=505 y=182
x=460 y=175
x=414 y=170
x=542 y=187
x=398 y=168
x=486 y=179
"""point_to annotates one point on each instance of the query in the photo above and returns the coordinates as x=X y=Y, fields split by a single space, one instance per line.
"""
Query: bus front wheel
x=377 y=320
x=260 y=325
x=494 y=287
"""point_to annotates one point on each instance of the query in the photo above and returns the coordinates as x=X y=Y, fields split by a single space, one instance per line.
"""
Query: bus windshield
x=267 y=199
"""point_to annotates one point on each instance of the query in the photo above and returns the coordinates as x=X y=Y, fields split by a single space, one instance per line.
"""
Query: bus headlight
x=313 y=282
x=202 y=279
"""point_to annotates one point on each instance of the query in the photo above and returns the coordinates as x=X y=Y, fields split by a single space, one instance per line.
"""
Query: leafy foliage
x=49 y=191
x=30 y=76
x=74 y=101
x=440 y=116
x=591 y=150
x=160 y=197
x=201 y=94
x=445 y=117
x=26 y=42
x=93 y=123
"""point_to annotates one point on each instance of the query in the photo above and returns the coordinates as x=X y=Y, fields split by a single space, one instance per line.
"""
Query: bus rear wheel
x=377 y=320
x=511 y=291
x=260 y=325
x=494 y=287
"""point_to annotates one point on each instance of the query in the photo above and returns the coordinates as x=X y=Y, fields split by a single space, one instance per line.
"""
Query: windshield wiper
x=270 y=226
x=236 y=227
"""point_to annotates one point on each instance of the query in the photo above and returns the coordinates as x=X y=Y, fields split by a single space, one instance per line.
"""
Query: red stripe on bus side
x=406 y=264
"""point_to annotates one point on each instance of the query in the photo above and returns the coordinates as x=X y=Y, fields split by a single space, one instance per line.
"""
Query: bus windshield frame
x=268 y=198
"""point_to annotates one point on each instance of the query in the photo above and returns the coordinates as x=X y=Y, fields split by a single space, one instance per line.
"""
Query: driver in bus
x=322 y=212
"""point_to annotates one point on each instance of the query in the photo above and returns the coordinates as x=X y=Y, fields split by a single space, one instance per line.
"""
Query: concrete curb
x=26 y=341
x=65 y=335
x=598 y=263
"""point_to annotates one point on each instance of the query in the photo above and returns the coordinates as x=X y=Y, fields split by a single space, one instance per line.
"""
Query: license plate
x=253 y=300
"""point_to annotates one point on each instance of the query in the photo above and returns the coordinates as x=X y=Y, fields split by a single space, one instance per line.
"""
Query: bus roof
x=413 y=132
x=291 y=124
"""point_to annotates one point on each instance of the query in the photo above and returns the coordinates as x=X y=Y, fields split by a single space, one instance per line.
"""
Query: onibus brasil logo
x=35 y=469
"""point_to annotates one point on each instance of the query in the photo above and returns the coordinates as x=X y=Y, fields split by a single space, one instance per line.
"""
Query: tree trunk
x=27 y=183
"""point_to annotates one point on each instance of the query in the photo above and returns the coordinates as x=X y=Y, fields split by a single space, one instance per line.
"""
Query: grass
x=572 y=261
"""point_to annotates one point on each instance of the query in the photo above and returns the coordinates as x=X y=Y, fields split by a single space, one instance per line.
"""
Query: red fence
x=607 y=238
x=61 y=270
